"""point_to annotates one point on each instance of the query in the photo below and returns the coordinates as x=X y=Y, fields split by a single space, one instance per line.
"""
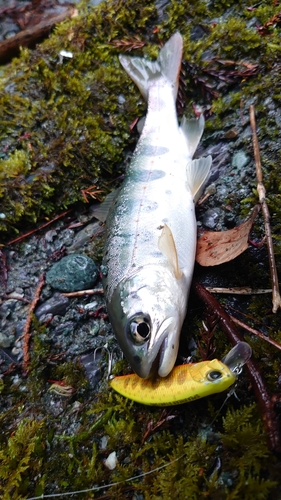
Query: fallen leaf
x=217 y=247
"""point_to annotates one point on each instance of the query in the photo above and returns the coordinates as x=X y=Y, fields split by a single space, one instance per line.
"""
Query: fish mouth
x=164 y=361
x=167 y=355
x=152 y=361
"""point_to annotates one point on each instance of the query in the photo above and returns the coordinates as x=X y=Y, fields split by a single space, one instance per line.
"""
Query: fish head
x=147 y=312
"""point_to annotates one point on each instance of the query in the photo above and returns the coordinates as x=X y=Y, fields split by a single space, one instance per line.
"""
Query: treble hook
x=110 y=354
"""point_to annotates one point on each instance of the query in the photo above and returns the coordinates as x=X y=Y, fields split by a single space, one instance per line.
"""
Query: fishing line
x=229 y=394
x=237 y=369
x=97 y=488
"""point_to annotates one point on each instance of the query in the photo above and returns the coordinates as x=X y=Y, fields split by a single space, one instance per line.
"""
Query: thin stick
x=26 y=333
x=81 y=293
x=265 y=400
x=20 y=238
x=238 y=290
x=30 y=36
x=255 y=332
x=276 y=299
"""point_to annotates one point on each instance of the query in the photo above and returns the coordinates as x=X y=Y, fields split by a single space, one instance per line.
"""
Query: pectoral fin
x=101 y=210
x=197 y=172
x=167 y=246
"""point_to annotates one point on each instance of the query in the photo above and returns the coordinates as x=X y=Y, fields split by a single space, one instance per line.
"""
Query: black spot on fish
x=150 y=206
x=149 y=175
x=151 y=150
x=156 y=254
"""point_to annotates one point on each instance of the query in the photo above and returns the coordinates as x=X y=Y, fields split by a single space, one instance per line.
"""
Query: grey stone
x=72 y=273
x=240 y=160
x=5 y=341
x=56 y=305
x=210 y=218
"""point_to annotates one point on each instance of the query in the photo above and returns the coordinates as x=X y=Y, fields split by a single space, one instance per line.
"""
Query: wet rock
x=64 y=328
x=230 y=220
x=72 y=273
x=211 y=218
x=91 y=363
x=5 y=341
x=240 y=160
x=56 y=305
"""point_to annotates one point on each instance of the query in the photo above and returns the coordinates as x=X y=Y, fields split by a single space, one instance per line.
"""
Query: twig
x=26 y=333
x=29 y=37
x=276 y=299
x=265 y=400
x=81 y=293
x=255 y=332
x=23 y=236
x=14 y=297
x=238 y=290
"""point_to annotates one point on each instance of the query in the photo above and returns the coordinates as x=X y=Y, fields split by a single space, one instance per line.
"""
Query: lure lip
x=237 y=357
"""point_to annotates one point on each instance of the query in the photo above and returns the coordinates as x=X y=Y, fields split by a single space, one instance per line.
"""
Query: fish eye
x=139 y=328
x=214 y=375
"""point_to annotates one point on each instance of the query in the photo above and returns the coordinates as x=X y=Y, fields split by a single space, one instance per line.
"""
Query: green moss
x=76 y=128
x=23 y=452
x=74 y=460
x=63 y=124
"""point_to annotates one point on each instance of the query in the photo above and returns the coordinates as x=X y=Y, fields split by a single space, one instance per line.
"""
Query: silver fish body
x=151 y=228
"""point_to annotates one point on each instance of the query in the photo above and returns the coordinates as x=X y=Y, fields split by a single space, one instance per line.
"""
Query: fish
x=185 y=383
x=151 y=230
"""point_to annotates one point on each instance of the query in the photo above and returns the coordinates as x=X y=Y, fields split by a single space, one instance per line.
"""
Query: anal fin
x=167 y=246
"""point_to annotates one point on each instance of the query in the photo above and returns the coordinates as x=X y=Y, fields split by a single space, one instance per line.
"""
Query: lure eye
x=214 y=375
x=139 y=328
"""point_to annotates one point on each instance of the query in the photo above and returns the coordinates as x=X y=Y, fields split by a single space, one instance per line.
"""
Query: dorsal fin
x=197 y=172
x=167 y=246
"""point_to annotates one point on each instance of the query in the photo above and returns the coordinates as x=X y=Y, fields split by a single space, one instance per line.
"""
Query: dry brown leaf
x=214 y=248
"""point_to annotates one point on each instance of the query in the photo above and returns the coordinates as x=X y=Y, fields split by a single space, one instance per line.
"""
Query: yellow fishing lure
x=184 y=383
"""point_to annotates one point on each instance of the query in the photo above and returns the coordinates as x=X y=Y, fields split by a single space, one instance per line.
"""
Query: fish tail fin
x=197 y=174
x=168 y=64
x=192 y=131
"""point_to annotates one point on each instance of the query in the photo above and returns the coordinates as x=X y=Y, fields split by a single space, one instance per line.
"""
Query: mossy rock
x=65 y=121
x=73 y=272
